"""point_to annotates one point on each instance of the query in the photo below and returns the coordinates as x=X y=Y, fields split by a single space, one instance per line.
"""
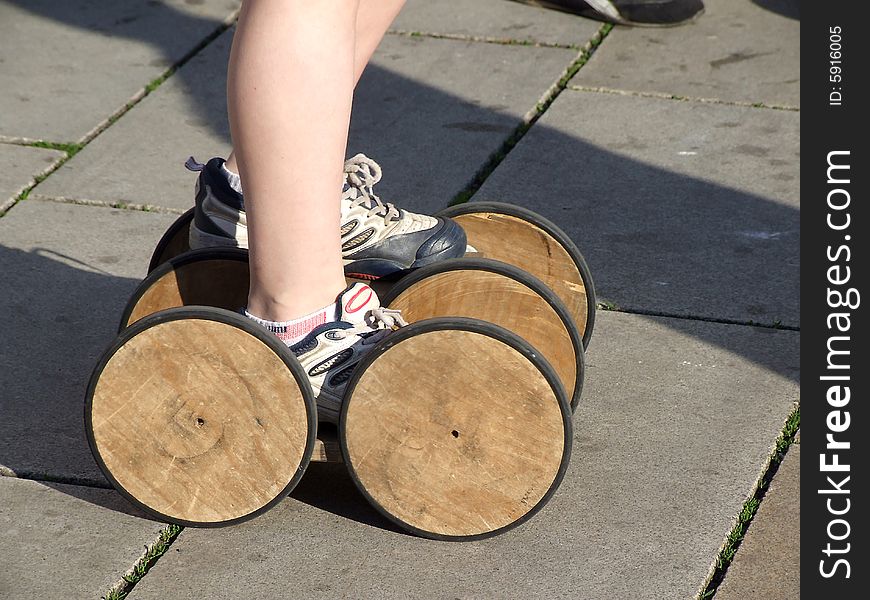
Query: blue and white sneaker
x=644 y=13
x=378 y=239
x=331 y=352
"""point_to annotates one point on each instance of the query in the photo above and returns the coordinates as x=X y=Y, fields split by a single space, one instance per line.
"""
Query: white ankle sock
x=233 y=178
x=294 y=331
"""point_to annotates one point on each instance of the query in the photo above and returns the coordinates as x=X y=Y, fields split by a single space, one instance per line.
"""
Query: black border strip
x=835 y=97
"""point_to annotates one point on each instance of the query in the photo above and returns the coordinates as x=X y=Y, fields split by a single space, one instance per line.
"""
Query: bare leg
x=289 y=93
x=373 y=19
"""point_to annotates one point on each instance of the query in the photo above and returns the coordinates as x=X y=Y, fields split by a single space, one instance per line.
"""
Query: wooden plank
x=327 y=447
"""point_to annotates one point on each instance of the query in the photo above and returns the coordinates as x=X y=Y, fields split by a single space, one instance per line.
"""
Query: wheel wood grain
x=214 y=277
x=174 y=241
x=519 y=240
x=199 y=421
x=455 y=434
x=497 y=297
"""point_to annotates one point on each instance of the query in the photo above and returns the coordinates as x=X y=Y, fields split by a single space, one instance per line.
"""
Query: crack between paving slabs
x=666 y=96
x=733 y=540
x=531 y=117
x=74 y=148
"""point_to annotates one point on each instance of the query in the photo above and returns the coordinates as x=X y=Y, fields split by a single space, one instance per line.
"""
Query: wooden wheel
x=529 y=241
x=502 y=294
x=208 y=277
x=174 y=242
x=200 y=417
x=455 y=429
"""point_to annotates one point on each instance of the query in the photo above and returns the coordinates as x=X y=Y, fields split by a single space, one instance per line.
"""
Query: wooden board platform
x=327 y=447
x=200 y=418
x=454 y=430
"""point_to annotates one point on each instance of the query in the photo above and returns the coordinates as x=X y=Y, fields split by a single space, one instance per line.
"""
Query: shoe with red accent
x=331 y=352
x=378 y=239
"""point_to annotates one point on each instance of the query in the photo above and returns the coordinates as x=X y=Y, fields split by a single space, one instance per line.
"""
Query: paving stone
x=67 y=273
x=67 y=66
x=66 y=541
x=19 y=165
x=495 y=19
x=670 y=437
x=430 y=111
x=738 y=51
x=767 y=564
x=679 y=207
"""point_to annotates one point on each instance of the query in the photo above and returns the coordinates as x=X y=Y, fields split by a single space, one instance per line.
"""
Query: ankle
x=289 y=307
x=232 y=178
x=291 y=331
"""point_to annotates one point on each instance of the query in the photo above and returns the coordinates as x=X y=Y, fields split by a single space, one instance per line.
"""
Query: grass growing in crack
x=607 y=305
x=750 y=507
x=481 y=39
x=514 y=138
x=140 y=569
x=26 y=192
x=70 y=149
x=786 y=438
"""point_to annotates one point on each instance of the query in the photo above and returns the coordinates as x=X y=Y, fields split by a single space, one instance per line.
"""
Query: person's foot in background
x=630 y=12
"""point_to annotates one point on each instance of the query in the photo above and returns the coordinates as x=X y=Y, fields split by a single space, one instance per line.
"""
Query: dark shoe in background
x=649 y=13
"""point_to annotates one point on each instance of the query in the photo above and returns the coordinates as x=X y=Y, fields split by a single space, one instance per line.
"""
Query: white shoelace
x=379 y=321
x=360 y=175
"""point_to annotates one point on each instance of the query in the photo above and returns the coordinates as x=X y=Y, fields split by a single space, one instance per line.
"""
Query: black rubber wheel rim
x=239 y=322
x=554 y=231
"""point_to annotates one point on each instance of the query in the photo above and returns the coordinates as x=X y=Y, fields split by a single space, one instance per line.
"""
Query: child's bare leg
x=372 y=21
x=290 y=87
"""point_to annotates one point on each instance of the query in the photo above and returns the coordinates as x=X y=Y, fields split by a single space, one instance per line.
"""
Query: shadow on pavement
x=328 y=486
x=60 y=316
x=786 y=8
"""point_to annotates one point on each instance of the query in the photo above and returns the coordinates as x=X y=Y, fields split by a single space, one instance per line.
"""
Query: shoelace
x=378 y=322
x=360 y=175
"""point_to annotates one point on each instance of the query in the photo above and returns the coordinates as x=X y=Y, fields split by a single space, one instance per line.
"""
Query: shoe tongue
x=354 y=302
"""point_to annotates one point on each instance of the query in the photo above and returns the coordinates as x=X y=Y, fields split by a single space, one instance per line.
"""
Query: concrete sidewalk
x=671 y=158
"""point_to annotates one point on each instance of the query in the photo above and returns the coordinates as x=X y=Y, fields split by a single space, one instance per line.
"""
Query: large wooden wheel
x=502 y=294
x=529 y=241
x=174 y=242
x=455 y=429
x=215 y=277
x=200 y=417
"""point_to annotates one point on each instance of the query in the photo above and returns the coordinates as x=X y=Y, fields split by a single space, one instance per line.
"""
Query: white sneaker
x=377 y=239
x=331 y=352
